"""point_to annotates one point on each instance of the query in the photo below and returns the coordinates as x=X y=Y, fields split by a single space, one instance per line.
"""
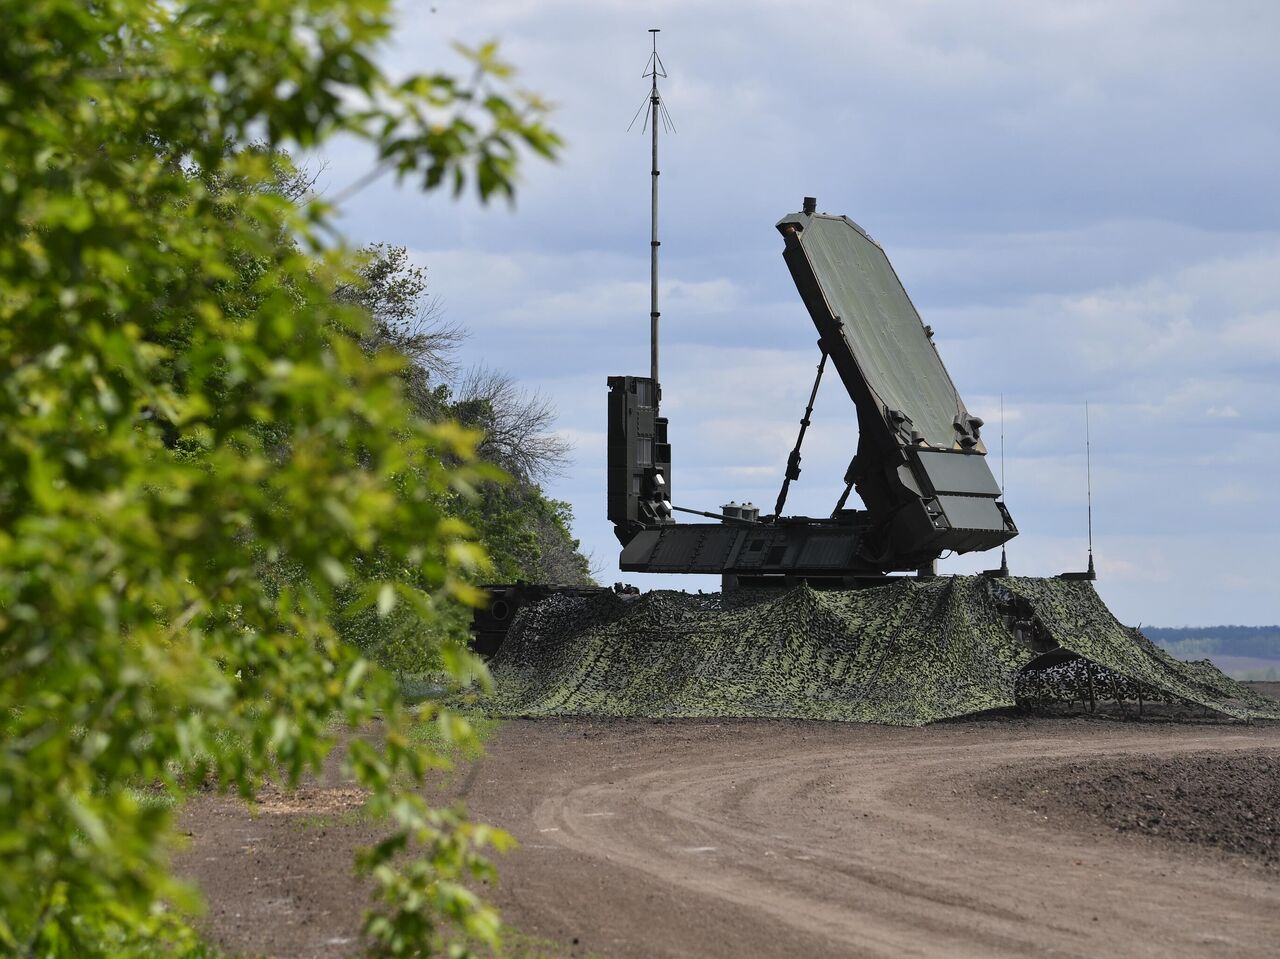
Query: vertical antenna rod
x=656 y=112
x=1004 y=556
x=1002 y=445
x=1088 y=478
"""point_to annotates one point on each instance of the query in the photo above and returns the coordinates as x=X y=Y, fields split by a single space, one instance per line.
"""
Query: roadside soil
x=1266 y=687
x=992 y=837
x=1230 y=802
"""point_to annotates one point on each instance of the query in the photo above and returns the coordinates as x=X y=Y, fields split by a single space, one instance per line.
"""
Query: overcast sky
x=1081 y=199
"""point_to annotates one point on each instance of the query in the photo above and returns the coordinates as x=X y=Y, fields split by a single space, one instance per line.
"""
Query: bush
x=183 y=408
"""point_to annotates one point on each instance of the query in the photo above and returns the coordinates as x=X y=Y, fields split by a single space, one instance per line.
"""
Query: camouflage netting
x=908 y=653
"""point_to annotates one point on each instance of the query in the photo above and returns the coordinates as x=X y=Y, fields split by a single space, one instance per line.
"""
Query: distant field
x=1247 y=667
x=1244 y=652
x=1271 y=689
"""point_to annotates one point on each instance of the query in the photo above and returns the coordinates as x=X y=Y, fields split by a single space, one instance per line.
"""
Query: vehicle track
x=863 y=841
x=764 y=839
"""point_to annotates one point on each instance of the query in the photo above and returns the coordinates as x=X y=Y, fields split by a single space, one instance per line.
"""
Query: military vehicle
x=793 y=633
x=920 y=467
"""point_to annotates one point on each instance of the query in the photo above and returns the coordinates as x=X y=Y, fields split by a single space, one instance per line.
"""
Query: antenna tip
x=655 y=29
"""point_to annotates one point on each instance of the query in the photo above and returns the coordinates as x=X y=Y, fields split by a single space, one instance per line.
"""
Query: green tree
x=528 y=535
x=183 y=407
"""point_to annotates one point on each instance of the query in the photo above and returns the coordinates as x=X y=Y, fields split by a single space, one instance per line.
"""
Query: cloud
x=585 y=443
x=1080 y=199
x=1237 y=494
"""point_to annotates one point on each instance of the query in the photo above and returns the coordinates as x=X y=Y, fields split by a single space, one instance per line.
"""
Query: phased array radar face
x=920 y=467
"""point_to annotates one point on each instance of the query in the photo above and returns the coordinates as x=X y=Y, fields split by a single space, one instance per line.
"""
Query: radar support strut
x=793 y=460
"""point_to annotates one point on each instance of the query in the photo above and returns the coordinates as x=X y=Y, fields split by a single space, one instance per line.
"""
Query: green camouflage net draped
x=908 y=653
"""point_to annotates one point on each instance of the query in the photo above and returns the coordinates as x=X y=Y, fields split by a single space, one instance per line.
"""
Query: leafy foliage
x=527 y=534
x=184 y=408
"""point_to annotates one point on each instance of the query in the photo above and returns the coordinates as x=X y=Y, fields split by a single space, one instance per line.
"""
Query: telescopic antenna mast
x=1004 y=556
x=1002 y=496
x=655 y=111
x=1088 y=479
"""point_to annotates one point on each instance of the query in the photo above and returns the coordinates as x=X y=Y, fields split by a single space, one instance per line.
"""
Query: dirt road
x=759 y=839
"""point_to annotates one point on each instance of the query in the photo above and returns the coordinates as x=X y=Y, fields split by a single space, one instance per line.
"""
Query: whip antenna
x=655 y=112
x=1002 y=447
x=1004 y=556
x=1088 y=479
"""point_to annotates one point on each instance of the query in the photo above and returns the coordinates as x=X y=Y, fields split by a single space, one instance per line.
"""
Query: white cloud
x=585 y=443
x=1237 y=494
x=1080 y=198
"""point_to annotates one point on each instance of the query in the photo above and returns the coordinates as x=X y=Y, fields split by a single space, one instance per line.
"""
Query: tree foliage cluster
x=185 y=407
x=526 y=534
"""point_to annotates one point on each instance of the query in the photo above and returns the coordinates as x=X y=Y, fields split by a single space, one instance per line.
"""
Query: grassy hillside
x=1245 y=652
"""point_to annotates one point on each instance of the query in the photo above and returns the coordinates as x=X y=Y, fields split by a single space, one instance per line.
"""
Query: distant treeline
x=1198 y=642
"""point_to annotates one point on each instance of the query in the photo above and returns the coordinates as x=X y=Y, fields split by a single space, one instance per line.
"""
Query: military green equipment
x=895 y=649
x=490 y=622
x=920 y=466
x=639 y=457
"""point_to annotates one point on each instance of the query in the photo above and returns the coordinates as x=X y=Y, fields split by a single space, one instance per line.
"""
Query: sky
x=1081 y=199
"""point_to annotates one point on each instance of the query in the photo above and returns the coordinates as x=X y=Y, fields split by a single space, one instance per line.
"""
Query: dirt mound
x=1228 y=801
x=907 y=653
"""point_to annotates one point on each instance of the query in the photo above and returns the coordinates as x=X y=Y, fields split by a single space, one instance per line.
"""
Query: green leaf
x=217 y=488
x=386 y=599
